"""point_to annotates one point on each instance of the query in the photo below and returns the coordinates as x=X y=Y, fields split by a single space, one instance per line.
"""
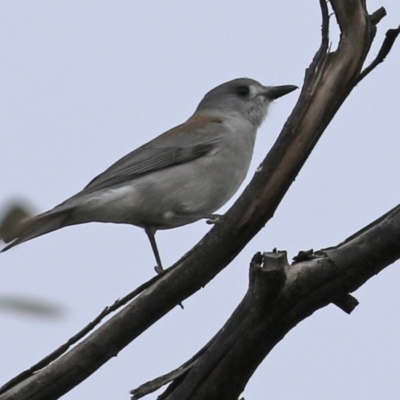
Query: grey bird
x=181 y=176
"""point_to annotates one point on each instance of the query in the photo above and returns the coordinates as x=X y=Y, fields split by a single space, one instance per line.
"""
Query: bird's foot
x=213 y=219
x=159 y=269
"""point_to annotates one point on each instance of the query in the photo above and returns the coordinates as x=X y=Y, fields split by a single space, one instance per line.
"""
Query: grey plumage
x=177 y=178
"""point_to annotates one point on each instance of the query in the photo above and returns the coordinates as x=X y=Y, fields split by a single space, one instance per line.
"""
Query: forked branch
x=328 y=81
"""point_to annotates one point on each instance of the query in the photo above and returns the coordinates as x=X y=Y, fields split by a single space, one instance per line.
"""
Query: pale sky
x=83 y=83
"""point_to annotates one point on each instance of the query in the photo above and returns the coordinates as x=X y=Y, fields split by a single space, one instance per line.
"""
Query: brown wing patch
x=196 y=122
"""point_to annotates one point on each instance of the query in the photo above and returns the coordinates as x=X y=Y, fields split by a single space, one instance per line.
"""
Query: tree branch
x=328 y=81
x=279 y=297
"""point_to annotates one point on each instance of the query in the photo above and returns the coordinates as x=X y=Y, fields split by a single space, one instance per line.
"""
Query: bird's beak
x=274 y=92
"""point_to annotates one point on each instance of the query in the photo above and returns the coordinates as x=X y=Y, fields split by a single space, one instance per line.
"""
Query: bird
x=181 y=176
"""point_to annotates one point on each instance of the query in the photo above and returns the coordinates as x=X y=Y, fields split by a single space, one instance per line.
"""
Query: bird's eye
x=243 y=91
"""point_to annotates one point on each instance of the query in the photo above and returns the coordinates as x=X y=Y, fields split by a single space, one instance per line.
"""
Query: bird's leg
x=158 y=268
x=150 y=232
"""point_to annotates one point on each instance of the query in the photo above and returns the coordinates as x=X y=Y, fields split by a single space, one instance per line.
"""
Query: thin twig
x=390 y=38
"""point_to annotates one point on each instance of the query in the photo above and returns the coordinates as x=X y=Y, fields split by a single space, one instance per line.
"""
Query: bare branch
x=390 y=38
x=328 y=82
x=278 y=298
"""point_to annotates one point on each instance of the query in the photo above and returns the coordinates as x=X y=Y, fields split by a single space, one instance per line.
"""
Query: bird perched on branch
x=181 y=176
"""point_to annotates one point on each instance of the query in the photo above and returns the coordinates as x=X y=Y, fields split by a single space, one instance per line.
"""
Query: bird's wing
x=176 y=146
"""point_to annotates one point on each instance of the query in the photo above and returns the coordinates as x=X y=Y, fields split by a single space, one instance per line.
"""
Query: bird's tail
x=34 y=227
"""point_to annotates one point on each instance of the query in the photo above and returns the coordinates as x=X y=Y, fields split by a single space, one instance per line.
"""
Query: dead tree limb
x=279 y=297
x=328 y=81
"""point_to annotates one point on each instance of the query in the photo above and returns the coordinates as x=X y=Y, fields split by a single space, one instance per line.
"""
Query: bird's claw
x=213 y=219
x=159 y=270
